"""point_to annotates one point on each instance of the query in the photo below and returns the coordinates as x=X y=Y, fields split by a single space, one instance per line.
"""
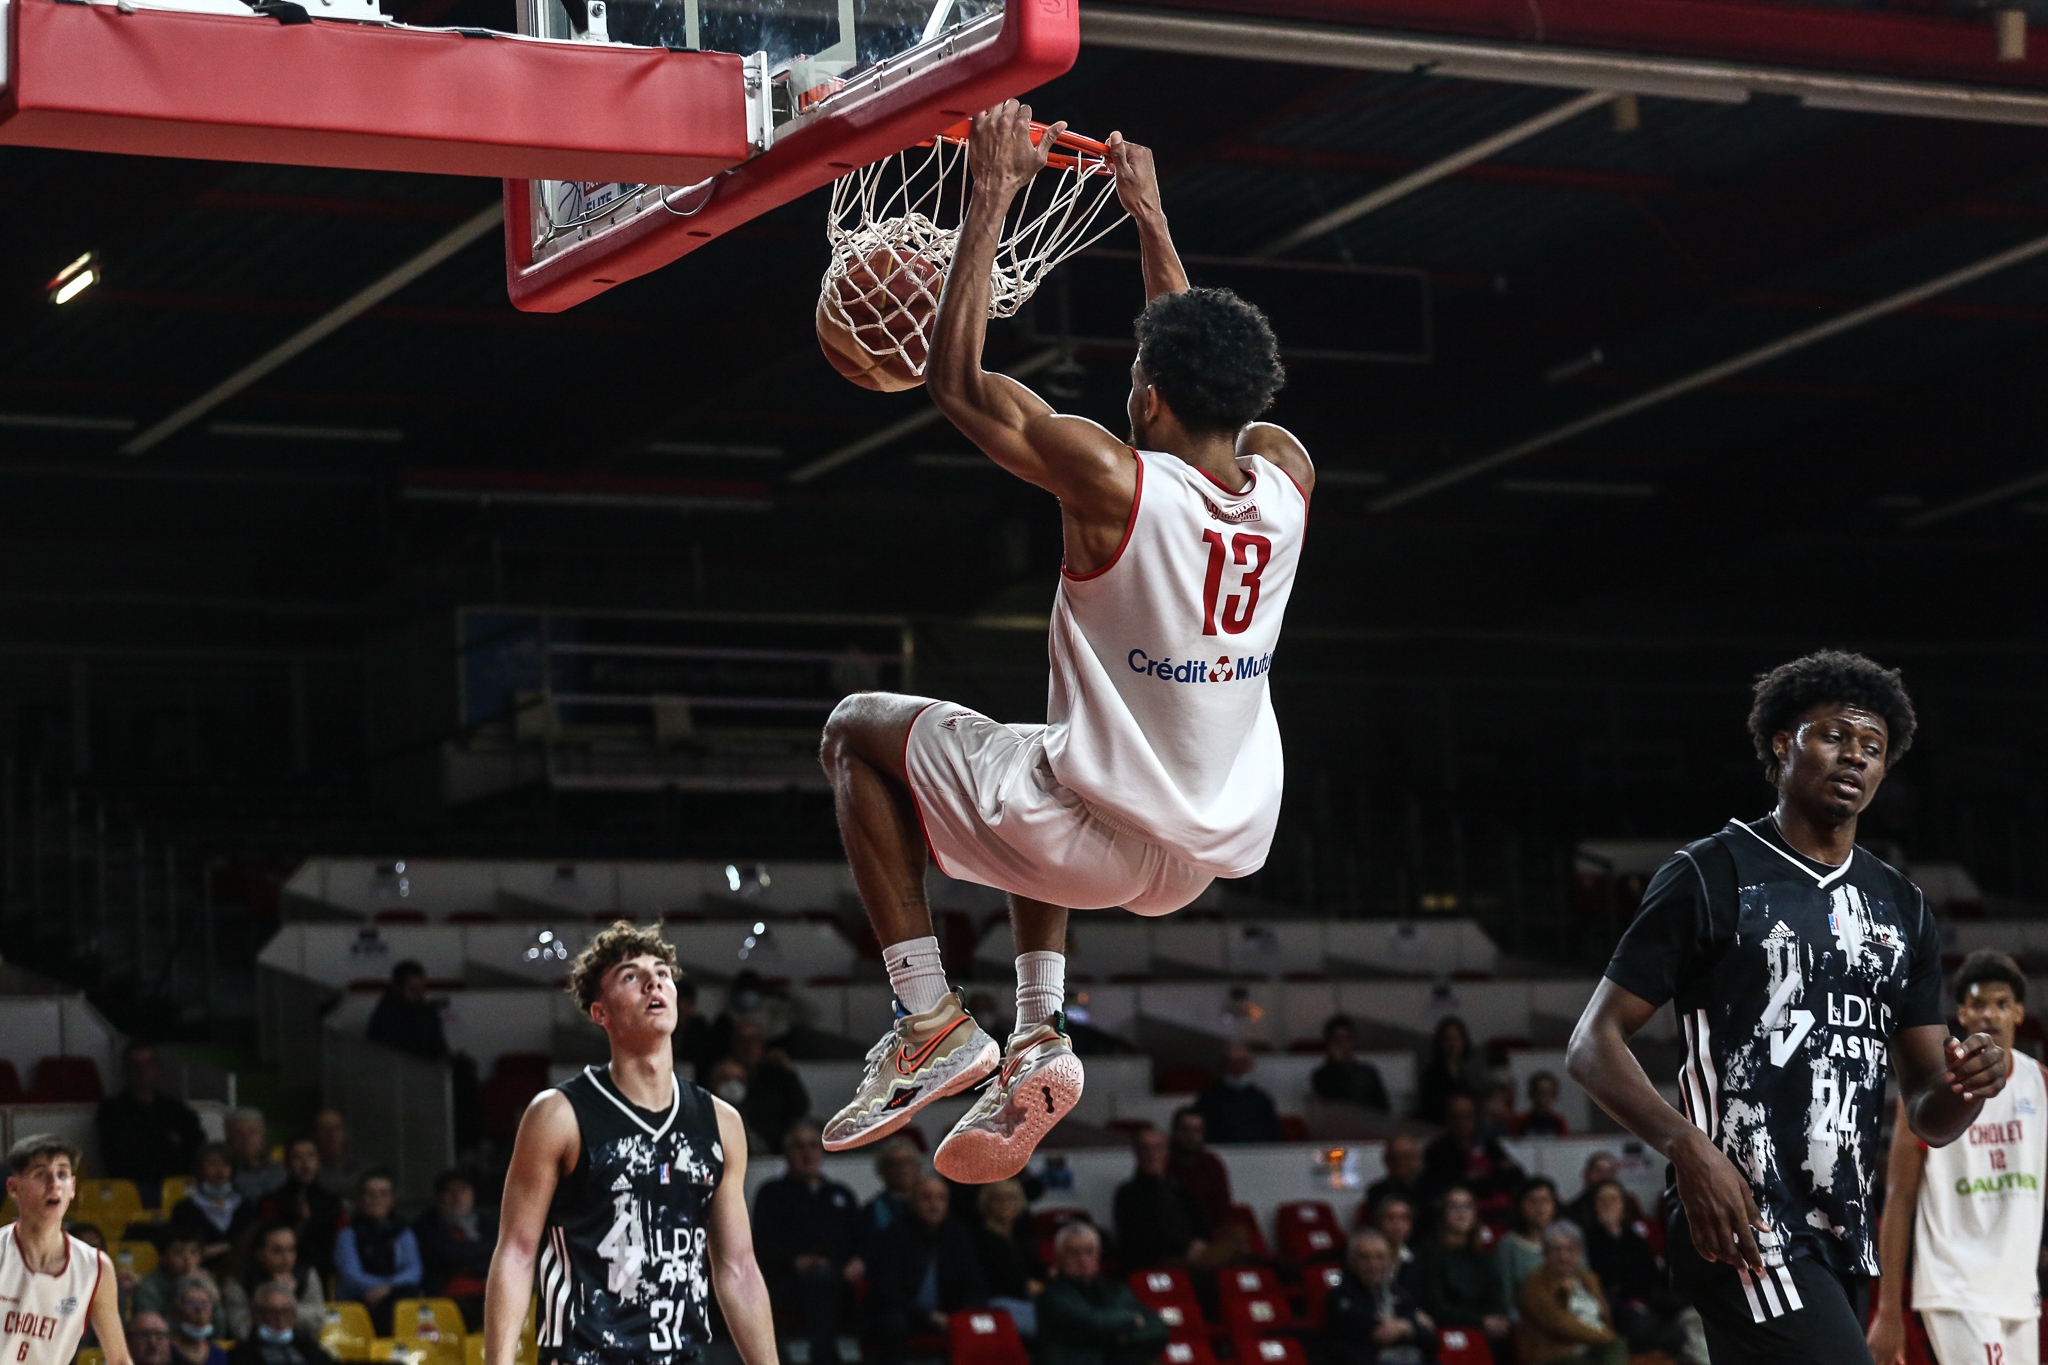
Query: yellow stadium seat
x=395 y=1351
x=113 y=1204
x=134 y=1258
x=89 y=1355
x=347 y=1333
x=8 y=1213
x=526 y=1353
x=174 y=1190
x=433 y=1327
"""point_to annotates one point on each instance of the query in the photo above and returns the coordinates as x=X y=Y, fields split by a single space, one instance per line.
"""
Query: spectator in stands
x=921 y=1269
x=197 y=1305
x=1521 y=1247
x=1198 y=1170
x=281 y=1334
x=376 y=1257
x=256 y=1175
x=305 y=1205
x=406 y=1018
x=275 y=1263
x=772 y=1095
x=693 y=1031
x=1497 y=1111
x=157 y=1292
x=1008 y=1251
x=1235 y=1109
x=145 y=1135
x=213 y=1209
x=806 y=1236
x=1368 y=1319
x=1344 y=1078
x=1394 y=1219
x=1460 y=1284
x=1403 y=1179
x=149 y=1338
x=727 y=1079
x=1086 y=1318
x=1564 y=1316
x=1159 y=1222
x=1600 y=1168
x=751 y=999
x=1462 y=1155
x=1542 y=1120
x=1448 y=1070
x=340 y=1172
x=456 y=1243
x=898 y=1164
x=1641 y=1304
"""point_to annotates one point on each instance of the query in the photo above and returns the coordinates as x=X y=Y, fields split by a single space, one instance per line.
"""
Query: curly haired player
x=1159 y=767
x=1802 y=969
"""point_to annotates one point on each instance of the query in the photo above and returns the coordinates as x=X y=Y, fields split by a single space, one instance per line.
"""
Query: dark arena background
x=457 y=631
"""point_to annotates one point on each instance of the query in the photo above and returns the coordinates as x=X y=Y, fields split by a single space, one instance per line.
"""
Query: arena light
x=74 y=279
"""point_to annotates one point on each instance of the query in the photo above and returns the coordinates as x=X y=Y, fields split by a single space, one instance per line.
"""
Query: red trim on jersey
x=22 y=1252
x=1130 y=525
x=99 y=1272
x=911 y=787
x=1251 y=481
x=1296 y=482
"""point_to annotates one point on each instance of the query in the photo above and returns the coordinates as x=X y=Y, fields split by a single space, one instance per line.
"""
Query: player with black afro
x=1803 y=972
x=1211 y=356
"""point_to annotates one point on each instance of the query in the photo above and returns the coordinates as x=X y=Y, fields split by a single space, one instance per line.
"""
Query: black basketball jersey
x=1790 y=978
x=623 y=1261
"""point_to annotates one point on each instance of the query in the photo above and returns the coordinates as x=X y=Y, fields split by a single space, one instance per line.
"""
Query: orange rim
x=1064 y=160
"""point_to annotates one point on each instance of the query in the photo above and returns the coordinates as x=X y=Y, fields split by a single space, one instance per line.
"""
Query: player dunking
x=1801 y=969
x=1159 y=767
x=1968 y=1215
x=628 y=1186
x=52 y=1284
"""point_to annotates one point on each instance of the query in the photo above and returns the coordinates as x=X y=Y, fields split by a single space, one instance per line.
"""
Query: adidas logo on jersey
x=621 y=1184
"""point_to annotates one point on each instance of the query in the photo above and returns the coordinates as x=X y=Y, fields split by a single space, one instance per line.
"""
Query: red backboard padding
x=1039 y=40
x=158 y=83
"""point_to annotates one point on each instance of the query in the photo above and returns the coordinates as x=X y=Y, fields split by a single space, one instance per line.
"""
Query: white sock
x=916 y=973
x=1041 y=988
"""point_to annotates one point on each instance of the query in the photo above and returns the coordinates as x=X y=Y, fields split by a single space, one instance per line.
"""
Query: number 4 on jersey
x=1255 y=553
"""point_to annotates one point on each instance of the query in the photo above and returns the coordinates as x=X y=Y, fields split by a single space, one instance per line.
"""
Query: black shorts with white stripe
x=1798 y=1313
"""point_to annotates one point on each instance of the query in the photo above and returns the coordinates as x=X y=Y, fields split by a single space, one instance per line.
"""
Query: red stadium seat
x=1459 y=1346
x=1188 y=1351
x=985 y=1336
x=1293 y=1128
x=1309 y=1232
x=474 y=917
x=1247 y=1280
x=1317 y=1282
x=1256 y=1315
x=1270 y=1351
x=1241 y=1216
x=67 y=1080
x=10 y=1084
x=399 y=917
x=1171 y=1295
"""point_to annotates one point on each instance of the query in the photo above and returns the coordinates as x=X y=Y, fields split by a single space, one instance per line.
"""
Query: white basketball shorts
x=994 y=813
x=1981 y=1339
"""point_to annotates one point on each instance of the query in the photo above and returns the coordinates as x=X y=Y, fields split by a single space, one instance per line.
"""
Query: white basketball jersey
x=1979 y=1224
x=43 y=1316
x=1159 y=714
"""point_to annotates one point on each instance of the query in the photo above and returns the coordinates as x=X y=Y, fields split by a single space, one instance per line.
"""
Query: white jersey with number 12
x=1978 y=1232
x=42 y=1316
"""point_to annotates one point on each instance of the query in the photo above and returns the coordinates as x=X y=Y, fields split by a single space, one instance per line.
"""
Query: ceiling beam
x=917 y=421
x=1973 y=501
x=1714 y=373
x=1321 y=160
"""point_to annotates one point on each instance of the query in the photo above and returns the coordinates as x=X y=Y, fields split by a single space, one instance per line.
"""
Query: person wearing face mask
x=213 y=1210
x=192 y=1339
x=728 y=1080
x=280 y=1336
x=1235 y=1109
x=275 y=1262
x=775 y=1096
x=157 y=1292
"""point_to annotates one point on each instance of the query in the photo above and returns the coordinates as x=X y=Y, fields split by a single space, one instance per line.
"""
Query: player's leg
x=1040 y=1080
x=933 y=1048
x=1798 y=1313
x=1958 y=1338
x=2022 y=1341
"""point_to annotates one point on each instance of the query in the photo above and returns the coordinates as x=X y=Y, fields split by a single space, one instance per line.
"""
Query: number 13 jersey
x=1159 y=714
x=622 y=1260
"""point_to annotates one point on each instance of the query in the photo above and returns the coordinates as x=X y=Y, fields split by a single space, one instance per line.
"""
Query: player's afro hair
x=1792 y=689
x=1212 y=356
x=1987 y=965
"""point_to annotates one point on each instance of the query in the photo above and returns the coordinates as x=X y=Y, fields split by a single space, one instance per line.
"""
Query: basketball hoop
x=894 y=226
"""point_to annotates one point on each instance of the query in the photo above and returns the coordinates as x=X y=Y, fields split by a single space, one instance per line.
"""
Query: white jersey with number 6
x=43 y=1316
x=1159 y=715
x=1978 y=1232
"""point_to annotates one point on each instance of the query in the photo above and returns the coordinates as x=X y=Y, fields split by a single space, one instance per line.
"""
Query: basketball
x=874 y=318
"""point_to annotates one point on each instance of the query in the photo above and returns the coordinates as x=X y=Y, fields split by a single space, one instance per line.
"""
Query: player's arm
x=1279 y=445
x=735 y=1275
x=1718 y=1203
x=1076 y=460
x=106 y=1314
x=1137 y=189
x=1903 y=1173
x=545 y=1146
x=1943 y=1083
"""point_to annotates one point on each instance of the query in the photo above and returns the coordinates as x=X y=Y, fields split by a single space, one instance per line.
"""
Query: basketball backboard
x=832 y=85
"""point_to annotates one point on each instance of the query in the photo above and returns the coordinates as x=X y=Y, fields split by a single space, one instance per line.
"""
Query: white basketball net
x=909 y=205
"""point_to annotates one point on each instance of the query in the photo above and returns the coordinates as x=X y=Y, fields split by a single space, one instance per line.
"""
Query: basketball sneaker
x=1039 y=1084
x=923 y=1057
